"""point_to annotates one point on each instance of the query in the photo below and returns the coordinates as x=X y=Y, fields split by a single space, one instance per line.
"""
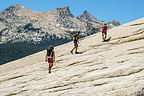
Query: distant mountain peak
x=64 y=9
x=18 y=6
x=67 y=7
x=85 y=12
x=86 y=16
x=13 y=8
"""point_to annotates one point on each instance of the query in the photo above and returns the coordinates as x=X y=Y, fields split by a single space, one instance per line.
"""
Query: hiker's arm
x=108 y=27
x=99 y=29
x=77 y=39
x=54 y=55
x=46 y=58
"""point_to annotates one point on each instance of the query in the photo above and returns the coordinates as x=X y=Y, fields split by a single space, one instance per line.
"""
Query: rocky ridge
x=20 y=24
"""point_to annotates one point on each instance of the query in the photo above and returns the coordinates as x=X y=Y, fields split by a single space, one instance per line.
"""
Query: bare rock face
x=112 y=68
x=20 y=24
x=86 y=16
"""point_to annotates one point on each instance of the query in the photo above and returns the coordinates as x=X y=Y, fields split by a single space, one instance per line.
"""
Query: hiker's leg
x=105 y=35
x=49 y=67
x=75 y=44
x=76 y=49
x=73 y=49
x=102 y=35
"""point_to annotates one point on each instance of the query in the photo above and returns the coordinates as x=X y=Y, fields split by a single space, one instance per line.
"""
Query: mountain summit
x=86 y=16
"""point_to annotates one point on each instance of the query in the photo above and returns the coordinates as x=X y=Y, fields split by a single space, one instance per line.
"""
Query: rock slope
x=114 y=68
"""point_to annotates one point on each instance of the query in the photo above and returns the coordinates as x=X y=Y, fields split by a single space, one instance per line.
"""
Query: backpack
x=105 y=28
x=74 y=37
x=49 y=53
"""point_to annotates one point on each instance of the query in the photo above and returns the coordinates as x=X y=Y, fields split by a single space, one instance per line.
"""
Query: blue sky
x=106 y=10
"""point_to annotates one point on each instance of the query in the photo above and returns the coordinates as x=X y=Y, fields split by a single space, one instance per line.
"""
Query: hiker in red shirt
x=104 y=31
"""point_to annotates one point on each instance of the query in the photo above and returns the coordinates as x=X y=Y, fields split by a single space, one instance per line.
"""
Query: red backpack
x=104 y=27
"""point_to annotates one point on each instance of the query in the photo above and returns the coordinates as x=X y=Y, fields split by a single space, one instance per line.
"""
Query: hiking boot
x=104 y=39
x=71 y=52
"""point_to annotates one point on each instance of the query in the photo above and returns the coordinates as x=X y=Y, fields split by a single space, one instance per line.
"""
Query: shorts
x=50 y=60
x=75 y=43
x=105 y=32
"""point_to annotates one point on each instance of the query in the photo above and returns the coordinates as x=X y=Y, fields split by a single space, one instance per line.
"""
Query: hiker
x=75 y=41
x=50 y=57
x=104 y=31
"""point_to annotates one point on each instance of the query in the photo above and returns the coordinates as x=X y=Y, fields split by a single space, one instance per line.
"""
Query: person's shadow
x=107 y=39
x=79 y=53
